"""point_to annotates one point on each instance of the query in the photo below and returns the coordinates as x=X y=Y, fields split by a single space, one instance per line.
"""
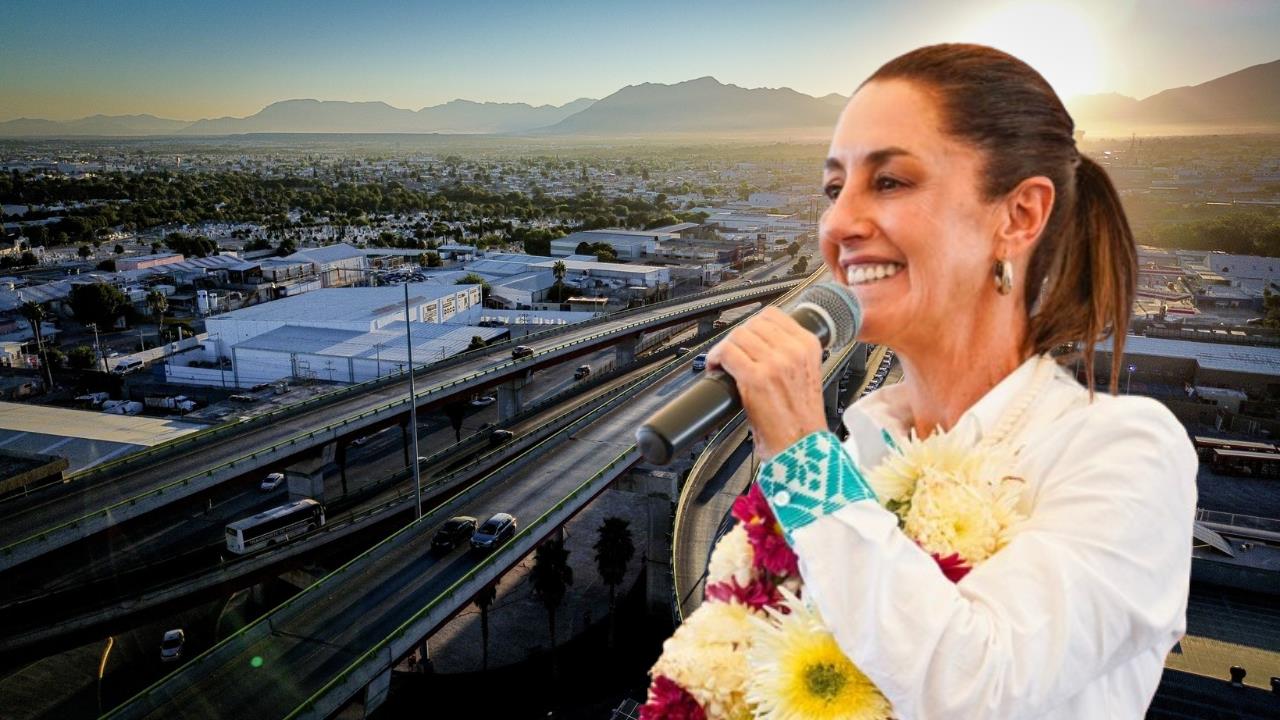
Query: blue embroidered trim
x=812 y=478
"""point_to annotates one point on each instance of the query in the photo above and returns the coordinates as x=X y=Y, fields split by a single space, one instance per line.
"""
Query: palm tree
x=614 y=549
x=483 y=600
x=551 y=577
x=35 y=314
x=559 y=270
x=157 y=303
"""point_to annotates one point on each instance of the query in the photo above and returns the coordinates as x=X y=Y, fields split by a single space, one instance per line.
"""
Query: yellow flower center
x=825 y=680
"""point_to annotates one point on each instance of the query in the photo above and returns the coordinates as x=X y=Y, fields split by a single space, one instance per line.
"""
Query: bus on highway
x=277 y=525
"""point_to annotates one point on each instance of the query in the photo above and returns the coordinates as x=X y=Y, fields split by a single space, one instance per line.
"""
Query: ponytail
x=1090 y=273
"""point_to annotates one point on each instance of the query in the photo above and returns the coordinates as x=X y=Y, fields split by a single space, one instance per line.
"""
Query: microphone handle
x=709 y=403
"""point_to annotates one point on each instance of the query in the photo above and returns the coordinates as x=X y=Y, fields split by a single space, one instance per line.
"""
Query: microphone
x=826 y=310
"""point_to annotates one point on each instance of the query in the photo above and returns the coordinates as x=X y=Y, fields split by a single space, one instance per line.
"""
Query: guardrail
x=1243 y=522
x=265 y=625
x=116 y=512
x=391 y=379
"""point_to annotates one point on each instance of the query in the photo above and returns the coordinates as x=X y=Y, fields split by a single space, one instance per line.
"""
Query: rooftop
x=1210 y=356
x=352 y=304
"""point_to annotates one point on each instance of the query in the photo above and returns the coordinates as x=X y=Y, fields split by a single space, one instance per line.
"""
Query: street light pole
x=1128 y=382
x=413 y=409
x=98 y=347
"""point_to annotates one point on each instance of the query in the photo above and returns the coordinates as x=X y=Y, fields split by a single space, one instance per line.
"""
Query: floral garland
x=757 y=649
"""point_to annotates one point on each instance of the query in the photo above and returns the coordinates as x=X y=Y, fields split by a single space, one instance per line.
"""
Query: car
x=495 y=531
x=360 y=440
x=482 y=400
x=700 y=363
x=453 y=532
x=681 y=351
x=498 y=437
x=719 y=325
x=521 y=351
x=171 y=645
x=422 y=460
x=582 y=372
x=271 y=482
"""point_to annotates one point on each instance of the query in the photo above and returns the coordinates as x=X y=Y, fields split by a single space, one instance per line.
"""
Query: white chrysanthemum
x=732 y=558
x=895 y=478
x=798 y=672
x=706 y=657
x=964 y=513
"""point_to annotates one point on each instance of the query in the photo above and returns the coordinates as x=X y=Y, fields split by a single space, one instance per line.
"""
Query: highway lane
x=84 y=501
x=164 y=545
x=332 y=625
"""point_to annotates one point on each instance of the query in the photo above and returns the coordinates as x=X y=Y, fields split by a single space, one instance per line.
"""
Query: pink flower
x=770 y=550
x=952 y=566
x=756 y=594
x=669 y=701
x=753 y=508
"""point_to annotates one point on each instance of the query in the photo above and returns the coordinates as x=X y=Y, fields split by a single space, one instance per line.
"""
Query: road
x=333 y=625
x=23 y=519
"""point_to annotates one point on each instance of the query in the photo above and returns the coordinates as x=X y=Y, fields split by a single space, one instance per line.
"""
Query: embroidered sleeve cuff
x=812 y=478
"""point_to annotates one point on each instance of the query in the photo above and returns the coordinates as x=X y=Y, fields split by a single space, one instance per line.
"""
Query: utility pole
x=413 y=409
x=98 y=347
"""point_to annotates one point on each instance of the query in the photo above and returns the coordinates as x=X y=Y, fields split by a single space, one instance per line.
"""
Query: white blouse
x=1074 y=617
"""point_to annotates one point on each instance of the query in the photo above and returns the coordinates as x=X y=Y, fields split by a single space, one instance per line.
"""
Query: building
x=289 y=338
x=143 y=262
x=336 y=265
x=627 y=244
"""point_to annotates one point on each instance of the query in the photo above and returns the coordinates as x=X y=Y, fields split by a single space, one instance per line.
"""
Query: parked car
x=582 y=372
x=521 y=351
x=453 y=532
x=171 y=645
x=271 y=482
x=700 y=363
x=497 y=437
x=495 y=531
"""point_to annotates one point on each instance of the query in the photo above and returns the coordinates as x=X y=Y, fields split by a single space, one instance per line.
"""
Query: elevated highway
x=102 y=497
x=341 y=636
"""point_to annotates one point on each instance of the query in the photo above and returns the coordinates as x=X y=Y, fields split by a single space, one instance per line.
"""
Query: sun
x=1056 y=39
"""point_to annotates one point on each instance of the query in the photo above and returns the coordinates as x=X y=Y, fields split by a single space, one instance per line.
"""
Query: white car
x=483 y=400
x=271 y=482
x=171 y=645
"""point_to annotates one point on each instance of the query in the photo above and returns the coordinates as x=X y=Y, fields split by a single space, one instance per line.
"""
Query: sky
x=64 y=59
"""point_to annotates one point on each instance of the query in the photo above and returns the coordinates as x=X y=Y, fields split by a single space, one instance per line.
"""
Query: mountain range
x=1248 y=99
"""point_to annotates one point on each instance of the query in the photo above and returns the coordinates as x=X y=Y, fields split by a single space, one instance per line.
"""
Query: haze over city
x=187 y=61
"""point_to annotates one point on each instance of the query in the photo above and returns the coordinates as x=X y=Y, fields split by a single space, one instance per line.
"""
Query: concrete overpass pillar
x=375 y=693
x=306 y=477
x=625 y=351
x=706 y=325
x=510 y=399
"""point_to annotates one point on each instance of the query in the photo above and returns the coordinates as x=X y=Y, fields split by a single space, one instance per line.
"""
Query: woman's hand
x=777 y=365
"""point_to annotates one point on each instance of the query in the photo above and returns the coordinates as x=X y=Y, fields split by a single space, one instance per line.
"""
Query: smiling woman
x=993 y=539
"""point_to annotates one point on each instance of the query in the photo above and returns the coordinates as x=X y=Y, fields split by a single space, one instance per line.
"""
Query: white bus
x=279 y=524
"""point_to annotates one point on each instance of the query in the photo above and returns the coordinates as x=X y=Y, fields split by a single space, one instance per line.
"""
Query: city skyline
x=184 y=62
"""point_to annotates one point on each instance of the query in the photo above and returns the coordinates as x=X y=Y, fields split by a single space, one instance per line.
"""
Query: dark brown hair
x=1083 y=270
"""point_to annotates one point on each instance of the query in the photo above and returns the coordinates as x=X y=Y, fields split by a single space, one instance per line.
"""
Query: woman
x=977 y=239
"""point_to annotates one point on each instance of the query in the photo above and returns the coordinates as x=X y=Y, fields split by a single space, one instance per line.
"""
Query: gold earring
x=1004 y=277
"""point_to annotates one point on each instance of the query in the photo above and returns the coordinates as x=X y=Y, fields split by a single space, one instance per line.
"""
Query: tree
x=477 y=343
x=1270 y=306
x=35 y=314
x=257 y=244
x=794 y=248
x=157 y=303
x=551 y=577
x=108 y=265
x=483 y=600
x=559 y=270
x=433 y=259
x=82 y=357
x=456 y=411
x=119 y=249
x=801 y=265
x=97 y=303
x=473 y=279
x=84 y=251
x=191 y=245
x=286 y=247
x=28 y=259
x=614 y=549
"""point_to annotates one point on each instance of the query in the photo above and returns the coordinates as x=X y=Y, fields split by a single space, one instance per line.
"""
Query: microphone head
x=838 y=304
